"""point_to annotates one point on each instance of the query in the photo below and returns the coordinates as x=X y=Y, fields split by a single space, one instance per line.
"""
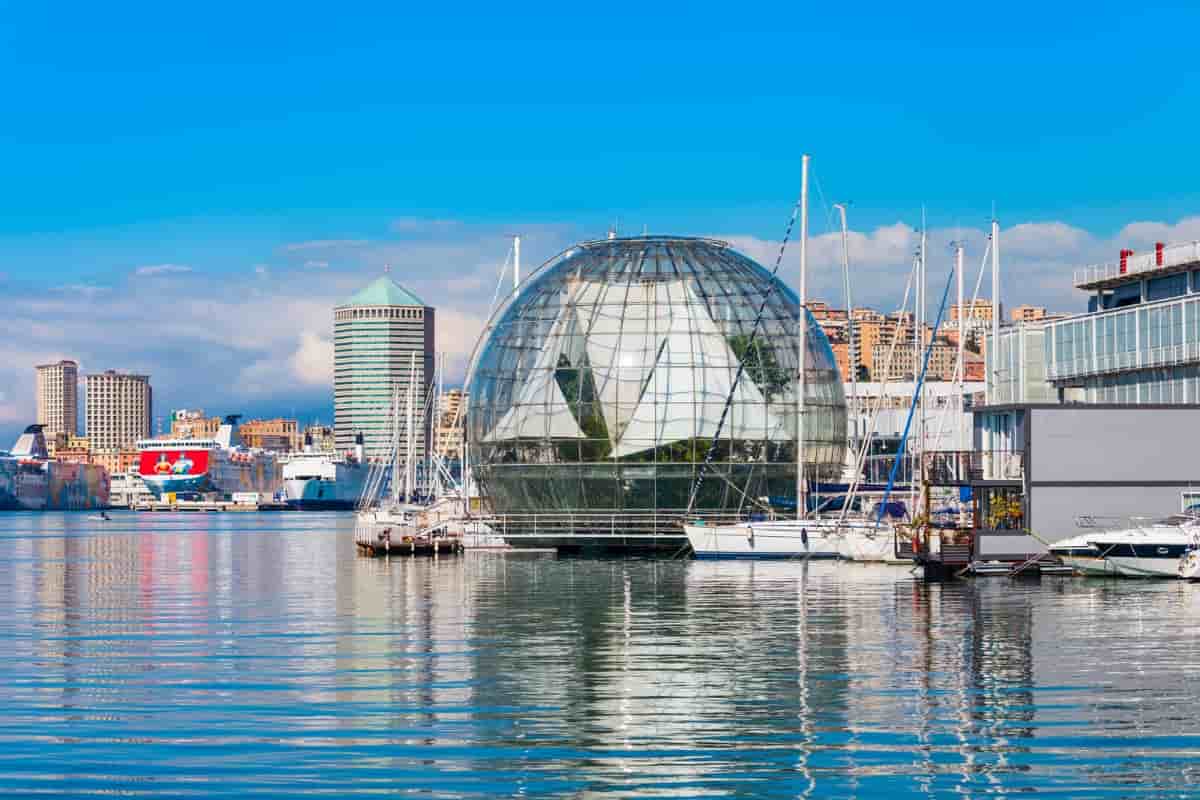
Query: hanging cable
x=758 y=319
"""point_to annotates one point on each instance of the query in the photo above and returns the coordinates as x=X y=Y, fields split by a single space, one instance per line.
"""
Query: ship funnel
x=31 y=444
x=358 y=447
x=308 y=442
x=227 y=434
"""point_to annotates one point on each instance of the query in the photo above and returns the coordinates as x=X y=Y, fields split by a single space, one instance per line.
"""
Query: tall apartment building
x=379 y=334
x=58 y=398
x=117 y=409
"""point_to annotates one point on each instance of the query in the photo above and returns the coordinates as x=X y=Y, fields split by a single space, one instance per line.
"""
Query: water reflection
x=253 y=653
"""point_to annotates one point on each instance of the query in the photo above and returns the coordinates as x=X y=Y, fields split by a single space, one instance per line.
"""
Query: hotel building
x=117 y=410
x=379 y=336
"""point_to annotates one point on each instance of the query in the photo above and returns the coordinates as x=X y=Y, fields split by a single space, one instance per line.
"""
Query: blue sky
x=259 y=160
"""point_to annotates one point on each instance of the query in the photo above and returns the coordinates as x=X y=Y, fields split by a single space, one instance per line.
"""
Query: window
x=1166 y=286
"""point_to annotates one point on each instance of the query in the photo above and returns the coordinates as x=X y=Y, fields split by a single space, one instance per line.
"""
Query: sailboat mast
x=849 y=326
x=962 y=334
x=802 y=343
x=516 y=264
x=395 y=444
x=995 y=354
x=411 y=444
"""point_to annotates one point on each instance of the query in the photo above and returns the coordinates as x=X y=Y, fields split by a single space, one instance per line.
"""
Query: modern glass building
x=376 y=334
x=602 y=385
x=1139 y=342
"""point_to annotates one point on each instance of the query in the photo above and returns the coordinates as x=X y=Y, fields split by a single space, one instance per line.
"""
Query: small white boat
x=1149 y=550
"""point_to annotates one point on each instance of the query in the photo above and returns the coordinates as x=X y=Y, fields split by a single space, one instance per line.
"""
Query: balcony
x=1175 y=258
x=966 y=467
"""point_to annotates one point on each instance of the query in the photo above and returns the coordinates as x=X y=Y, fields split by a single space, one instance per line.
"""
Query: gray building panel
x=1116 y=445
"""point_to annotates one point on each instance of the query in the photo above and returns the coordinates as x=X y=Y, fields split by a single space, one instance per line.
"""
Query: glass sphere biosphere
x=601 y=386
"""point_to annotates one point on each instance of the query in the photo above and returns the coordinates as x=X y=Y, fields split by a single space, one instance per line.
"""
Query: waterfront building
x=599 y=388
x=1137 y=343
x=117 y=409
x=58 y=398
x=377 y=334
x=279 y=435
x=124 y=459
x=1090 y=416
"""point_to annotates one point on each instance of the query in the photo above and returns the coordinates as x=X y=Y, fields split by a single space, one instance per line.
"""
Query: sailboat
x=394 y=523
x=802 y=537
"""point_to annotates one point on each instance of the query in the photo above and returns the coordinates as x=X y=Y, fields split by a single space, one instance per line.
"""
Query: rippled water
x=257 y=654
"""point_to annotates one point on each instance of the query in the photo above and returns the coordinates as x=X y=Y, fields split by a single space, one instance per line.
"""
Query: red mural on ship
x=173 y=463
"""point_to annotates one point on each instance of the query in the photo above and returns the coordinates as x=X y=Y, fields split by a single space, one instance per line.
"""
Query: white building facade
x=118 y=408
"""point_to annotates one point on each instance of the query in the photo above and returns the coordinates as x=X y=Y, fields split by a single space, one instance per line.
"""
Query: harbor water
x=170 y=655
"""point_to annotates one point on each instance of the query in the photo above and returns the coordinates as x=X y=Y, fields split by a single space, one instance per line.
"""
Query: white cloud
x=312 y=363
x=314 y=263
x=162 y=269
x=247 y=342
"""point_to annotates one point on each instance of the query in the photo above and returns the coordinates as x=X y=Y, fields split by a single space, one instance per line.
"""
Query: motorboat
x=1081 y=555
x=1151 y=549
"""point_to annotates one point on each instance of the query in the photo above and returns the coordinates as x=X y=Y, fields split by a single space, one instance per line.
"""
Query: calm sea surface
x=258 y=655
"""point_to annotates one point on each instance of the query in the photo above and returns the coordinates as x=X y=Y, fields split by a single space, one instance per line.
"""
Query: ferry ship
x=221 y=465
x=31 y=481
x=323 y=480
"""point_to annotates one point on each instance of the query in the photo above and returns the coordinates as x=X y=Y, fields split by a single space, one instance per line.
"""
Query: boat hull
x=1087 y=565
x=759 y=541
x=1148 y=567
x=327 y=486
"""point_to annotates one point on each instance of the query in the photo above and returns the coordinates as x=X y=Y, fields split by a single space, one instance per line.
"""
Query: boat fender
x=750 y=534
x=804 y=536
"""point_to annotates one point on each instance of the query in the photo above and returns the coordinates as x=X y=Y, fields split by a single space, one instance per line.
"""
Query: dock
x=434 y=540
x=205 y=506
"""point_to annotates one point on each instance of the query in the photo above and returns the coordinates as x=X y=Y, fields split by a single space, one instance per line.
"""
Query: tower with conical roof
x=375 y=334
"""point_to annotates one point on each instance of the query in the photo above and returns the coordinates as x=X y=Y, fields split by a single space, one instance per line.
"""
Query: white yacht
x=851 y=539
x=1151 y=549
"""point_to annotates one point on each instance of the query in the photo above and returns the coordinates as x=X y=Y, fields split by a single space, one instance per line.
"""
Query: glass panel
x=618 y=359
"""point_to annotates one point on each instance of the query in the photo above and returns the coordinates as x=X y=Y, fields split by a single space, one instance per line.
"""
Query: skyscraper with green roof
x=375 y=334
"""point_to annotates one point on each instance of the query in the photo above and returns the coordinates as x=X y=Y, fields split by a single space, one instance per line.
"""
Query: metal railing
x=613 y=525
x=959 y=467
x=1175 y=255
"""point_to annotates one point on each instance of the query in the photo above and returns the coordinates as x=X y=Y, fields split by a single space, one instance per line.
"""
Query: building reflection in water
x=530 y=673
